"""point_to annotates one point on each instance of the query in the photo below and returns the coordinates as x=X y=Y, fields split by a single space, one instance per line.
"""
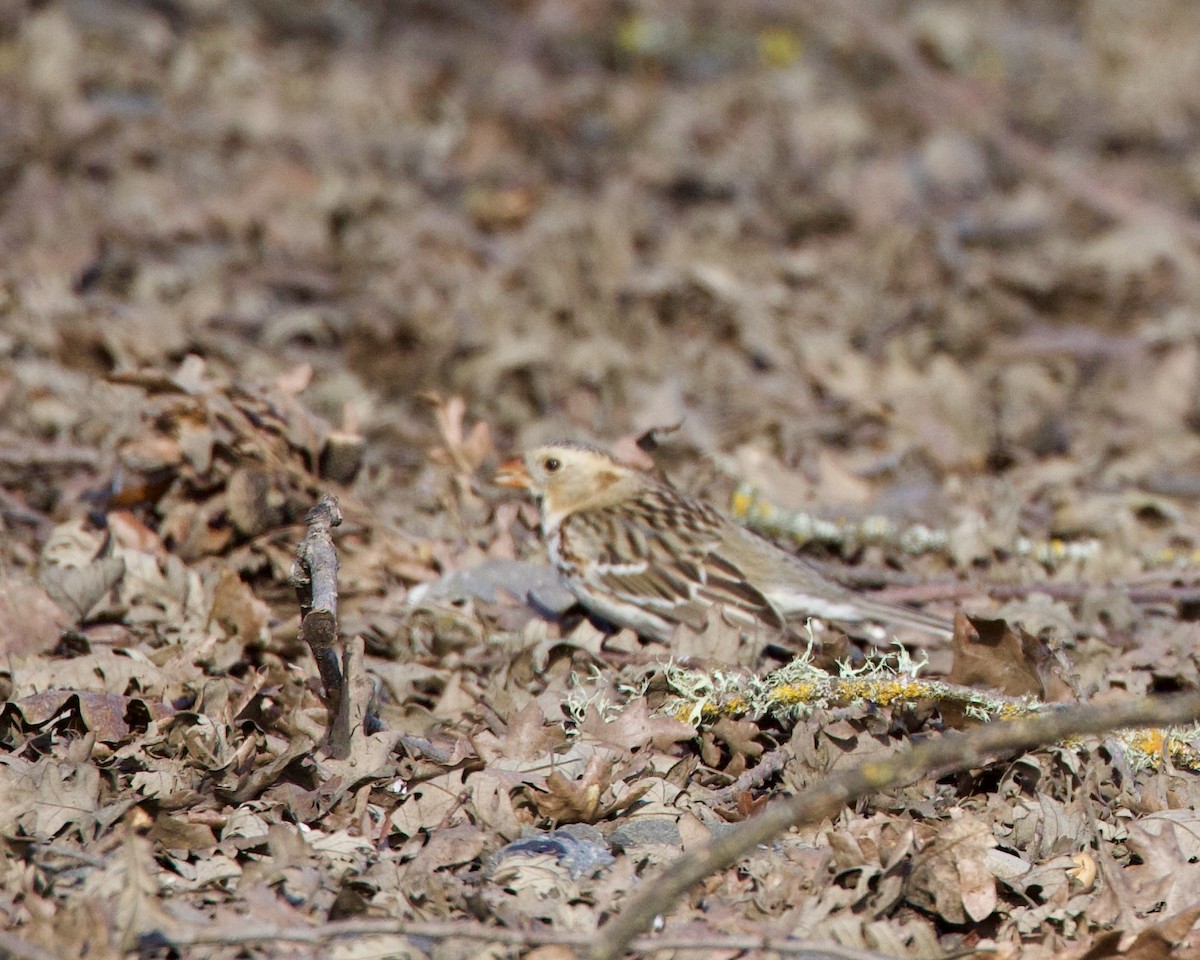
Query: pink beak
x=512 y=473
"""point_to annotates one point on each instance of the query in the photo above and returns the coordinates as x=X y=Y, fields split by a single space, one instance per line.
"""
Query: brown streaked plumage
x=640 y=554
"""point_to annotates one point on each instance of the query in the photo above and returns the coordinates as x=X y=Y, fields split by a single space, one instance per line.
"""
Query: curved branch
x=952 y=751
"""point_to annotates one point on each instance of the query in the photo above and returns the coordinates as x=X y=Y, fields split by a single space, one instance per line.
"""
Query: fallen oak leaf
x=634 y=727
x=528 y=735
x=238 y=610
x=739 y=736
x=435 y=804
x=565 y=801
x=994 y=655
x=581 y=801
x=950 y=876
x=1167 y=844
x=109 y=716
x=1159 y=942
x=462 y=449
x=41 y=798
x=747 y=805
x=78 y=589
x=31 y=622
x=255 y=500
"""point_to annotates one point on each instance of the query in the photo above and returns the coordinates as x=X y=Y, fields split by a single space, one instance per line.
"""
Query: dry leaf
x=950 y=875
x=30 y=621
x=79 y=589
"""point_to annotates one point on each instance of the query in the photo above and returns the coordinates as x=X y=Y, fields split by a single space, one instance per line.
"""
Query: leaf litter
x=253 y=255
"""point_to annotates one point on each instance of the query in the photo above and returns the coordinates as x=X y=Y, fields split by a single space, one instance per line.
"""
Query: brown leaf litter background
x=921 y=260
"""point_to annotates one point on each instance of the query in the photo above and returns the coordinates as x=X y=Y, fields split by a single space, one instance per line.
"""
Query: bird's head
x=565 y=477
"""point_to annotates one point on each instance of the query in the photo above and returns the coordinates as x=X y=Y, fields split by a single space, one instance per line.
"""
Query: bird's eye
x=551 y=464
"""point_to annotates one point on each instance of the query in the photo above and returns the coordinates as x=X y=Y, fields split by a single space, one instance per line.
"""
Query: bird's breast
x=561 y=550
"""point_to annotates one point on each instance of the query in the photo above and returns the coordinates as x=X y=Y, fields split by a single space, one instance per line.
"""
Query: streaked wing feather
x=683 y=576
x=740 y=595
x=652 y=594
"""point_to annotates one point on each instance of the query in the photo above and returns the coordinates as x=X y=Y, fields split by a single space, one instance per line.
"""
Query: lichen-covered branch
x=797 y=689
x=801 y=527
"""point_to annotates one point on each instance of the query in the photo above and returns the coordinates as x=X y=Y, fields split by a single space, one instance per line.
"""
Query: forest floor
x=921 y=275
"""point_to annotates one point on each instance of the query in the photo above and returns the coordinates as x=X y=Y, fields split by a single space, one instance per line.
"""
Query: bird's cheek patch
x=605 y=479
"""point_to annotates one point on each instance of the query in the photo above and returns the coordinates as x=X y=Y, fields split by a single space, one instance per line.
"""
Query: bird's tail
x=898 y=615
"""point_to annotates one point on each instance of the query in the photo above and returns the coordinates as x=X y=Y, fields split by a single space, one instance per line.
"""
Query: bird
x=637 y=552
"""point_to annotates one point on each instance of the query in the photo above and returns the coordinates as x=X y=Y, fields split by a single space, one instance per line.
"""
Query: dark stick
x=314 y=575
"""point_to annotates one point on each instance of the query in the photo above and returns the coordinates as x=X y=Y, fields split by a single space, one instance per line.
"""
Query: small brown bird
x=640 y=554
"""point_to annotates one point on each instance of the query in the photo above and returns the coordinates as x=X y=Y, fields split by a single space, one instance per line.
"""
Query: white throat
x=551 y=519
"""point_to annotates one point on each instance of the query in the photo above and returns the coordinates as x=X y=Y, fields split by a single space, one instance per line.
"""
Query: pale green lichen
x=588 y=693
x=795 y=690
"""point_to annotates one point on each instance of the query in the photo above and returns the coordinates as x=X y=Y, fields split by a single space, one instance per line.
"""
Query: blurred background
x=916 y=279
x=922 y=259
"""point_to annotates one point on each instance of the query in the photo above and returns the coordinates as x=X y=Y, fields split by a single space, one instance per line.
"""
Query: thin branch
x=953 y=751
x=768 y=765
x=29 y=454
x=700 y=939
x=16 y=511
x=946 y=590
x=353 y=719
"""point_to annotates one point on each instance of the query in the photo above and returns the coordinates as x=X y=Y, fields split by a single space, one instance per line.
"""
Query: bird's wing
x=671 y=567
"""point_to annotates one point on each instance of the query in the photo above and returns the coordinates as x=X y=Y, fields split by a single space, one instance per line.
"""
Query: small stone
x=646 y=831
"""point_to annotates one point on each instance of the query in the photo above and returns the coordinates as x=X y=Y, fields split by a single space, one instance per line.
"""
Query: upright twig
x=314 y=575
x=953 y=751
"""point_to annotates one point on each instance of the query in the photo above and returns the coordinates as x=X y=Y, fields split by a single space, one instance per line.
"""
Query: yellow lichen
x=792 y=693
x=1148 y=741
x=742 y=502
x=884 y=681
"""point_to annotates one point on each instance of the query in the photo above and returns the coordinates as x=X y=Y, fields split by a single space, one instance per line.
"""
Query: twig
x=245 y=934
x=1148 y=595
x=349 y=690
x=924 y=593
x=771 y=762
x=953 y=751
x=352 y=718
x=314 y=575
x=14 y=509
x=69 y=853
x=29 y=454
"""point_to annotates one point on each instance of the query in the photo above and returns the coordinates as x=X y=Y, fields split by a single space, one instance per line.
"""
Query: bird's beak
x=512 y=473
